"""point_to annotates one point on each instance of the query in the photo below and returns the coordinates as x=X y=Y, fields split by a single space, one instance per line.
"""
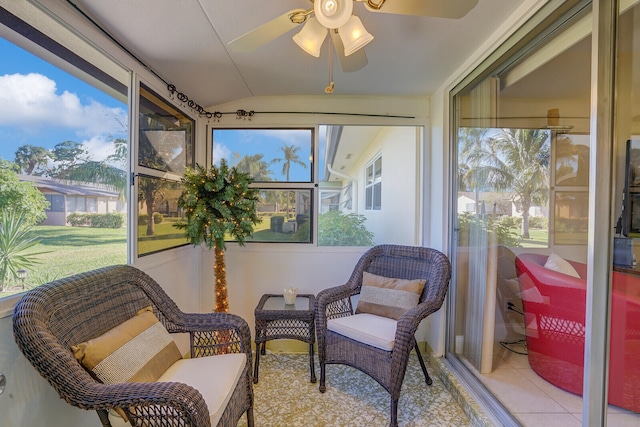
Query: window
x=374 y=185
x=76 y=204
x=92 y=204
x=166 y=140
x=73 y=121
x=56 y=202
x=280 y=162
x=166 y=147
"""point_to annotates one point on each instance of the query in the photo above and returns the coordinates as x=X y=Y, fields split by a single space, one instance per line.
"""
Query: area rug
x=284 y=397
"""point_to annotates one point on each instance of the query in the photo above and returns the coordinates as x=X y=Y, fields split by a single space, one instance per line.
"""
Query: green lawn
x=166 y=236
x=72 y=250
x=539 y=238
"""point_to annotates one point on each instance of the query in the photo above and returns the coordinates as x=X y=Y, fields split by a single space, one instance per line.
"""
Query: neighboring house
x=494 y=203
x=66 y=197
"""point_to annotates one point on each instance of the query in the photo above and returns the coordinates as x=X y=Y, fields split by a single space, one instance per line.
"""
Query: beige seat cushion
x=215 y=377
x=376 y=331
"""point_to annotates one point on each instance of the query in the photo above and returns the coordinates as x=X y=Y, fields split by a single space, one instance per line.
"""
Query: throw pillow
x=138 y=350
x=557 y=263
x=388 y=297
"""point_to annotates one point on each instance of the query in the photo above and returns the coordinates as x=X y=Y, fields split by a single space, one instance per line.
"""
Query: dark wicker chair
x=54 y=316
x=386 y=367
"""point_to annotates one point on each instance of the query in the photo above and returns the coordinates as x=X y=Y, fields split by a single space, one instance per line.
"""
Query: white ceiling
x=185 y=43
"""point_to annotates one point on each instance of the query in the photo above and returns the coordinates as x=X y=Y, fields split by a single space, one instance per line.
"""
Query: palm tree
x=516 y=160
x=218 y=203
x=290 y=156
x=521 y=161
x=95 y=172
x=255 y=166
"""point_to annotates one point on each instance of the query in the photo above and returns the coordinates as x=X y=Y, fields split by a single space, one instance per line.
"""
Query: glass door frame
x=601 y=187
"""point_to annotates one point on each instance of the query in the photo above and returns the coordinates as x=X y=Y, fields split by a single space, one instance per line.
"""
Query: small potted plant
x=218 y=203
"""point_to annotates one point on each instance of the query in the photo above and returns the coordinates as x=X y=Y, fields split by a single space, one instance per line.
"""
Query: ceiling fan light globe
x=333 y=13
x=311 y=37
x=354 y=35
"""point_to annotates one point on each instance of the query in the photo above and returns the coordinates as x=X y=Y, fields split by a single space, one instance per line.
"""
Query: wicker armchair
x=386 y=367
x=50 y=319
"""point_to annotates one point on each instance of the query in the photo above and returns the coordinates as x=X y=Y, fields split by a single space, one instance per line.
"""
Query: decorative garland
x=247 y=115
x=186 y=101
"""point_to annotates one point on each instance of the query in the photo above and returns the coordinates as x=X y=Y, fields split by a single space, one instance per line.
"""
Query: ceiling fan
x=347 y=32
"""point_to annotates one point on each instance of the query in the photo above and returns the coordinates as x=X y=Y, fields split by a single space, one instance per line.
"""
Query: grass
x=166 y=236
x=71 y=250
x=538 y=238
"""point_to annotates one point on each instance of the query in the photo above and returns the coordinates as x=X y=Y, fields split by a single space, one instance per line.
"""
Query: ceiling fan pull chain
x=329 y=88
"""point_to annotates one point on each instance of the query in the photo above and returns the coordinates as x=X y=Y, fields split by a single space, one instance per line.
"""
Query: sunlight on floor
x=536 y=402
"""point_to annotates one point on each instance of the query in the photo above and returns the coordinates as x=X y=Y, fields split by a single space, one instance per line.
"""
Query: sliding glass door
x=526 y=217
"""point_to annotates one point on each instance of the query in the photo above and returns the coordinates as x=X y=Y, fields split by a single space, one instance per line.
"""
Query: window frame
x=142 y=171
x=374 y=186
x=79 y=59
x=310 y=185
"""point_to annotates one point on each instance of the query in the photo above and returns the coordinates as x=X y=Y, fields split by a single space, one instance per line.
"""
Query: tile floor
x=536 y=402
x=284 y=397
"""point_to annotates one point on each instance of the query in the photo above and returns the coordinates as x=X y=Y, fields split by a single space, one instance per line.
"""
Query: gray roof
x=69 y=188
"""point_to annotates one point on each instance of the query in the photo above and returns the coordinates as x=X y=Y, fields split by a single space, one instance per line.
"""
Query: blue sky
x=42 y=105
x=233 y=144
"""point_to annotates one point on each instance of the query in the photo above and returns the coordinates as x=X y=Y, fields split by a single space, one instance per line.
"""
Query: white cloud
x=33 y=100
x=220 y=151
x=99 y=147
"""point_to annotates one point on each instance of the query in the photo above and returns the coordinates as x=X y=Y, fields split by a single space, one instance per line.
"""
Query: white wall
x=399 y=149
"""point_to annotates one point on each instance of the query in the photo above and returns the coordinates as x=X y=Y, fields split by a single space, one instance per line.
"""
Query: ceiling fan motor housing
x=333 y=13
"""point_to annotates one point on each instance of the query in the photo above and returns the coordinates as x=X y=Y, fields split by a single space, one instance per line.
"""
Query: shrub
x=107 y=220
x=22 y=197
x=15 y=240
x=338 y=229
x=510 y=221
x=157 y=217
x=79 y=220
x=538 y=222
x=505 y=235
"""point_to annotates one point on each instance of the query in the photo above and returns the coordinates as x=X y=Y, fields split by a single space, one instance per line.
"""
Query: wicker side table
x=277 y=320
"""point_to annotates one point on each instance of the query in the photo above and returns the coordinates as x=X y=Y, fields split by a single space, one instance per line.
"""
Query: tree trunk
x=525 y=219
x=219 y=272
x=150 y=200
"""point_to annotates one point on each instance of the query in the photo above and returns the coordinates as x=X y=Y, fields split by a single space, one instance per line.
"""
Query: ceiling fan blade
x=452 y=9
x=266 y=32
x=354 y=62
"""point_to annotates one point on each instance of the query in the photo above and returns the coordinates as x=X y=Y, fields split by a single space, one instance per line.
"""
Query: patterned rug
x=284 y=397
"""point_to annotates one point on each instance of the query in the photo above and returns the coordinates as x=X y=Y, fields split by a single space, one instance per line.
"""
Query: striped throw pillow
x=388 y=297
x=138 y=350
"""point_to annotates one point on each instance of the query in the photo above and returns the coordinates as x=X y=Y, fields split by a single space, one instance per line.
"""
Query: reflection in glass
x=571 y=218
x=157 y=213
x=166 y=135
x=572 y=160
